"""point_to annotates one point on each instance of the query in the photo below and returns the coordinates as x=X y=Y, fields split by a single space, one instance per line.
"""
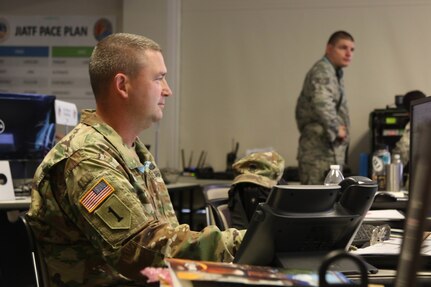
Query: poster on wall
x=50 y=54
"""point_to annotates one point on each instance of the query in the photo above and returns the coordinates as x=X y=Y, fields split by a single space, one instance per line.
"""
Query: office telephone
x=306 y=221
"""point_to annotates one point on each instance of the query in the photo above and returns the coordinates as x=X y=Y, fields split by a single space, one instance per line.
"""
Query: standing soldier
x=322 y=115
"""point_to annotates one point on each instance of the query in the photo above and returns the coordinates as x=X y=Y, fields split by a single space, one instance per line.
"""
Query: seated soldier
x=100 y=208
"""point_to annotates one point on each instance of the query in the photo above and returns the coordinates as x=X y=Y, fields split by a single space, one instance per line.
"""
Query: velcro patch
x=115 y=213
x=96 y=195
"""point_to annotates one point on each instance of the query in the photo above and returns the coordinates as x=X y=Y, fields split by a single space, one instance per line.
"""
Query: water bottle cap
x=335 y=166
x=381 y=146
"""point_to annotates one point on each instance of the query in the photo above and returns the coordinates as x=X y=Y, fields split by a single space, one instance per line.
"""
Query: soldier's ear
x=329 y=49
x=121 y=85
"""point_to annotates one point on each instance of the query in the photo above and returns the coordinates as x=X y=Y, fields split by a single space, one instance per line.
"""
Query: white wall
x=160 y=21
x=236 y=67
x=244 y=61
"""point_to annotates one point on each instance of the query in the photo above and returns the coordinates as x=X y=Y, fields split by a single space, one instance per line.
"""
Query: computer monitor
x=418 y=211
x=420 y=118
x=27 y=130
x=305 y=221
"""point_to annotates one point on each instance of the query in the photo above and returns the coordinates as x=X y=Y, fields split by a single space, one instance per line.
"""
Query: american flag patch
x=95 y=196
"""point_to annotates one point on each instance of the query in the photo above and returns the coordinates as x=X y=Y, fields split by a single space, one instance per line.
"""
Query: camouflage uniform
x=320 y=110
x=101 y=212
x=261 y=168
x=402 y=147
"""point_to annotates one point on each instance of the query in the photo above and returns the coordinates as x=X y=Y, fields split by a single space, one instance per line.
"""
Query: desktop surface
x=20 y=203
x=390 y=200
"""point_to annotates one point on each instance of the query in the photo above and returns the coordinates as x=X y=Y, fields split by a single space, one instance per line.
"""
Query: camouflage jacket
x=402 y=147
x=102 y=212
x=321 y=108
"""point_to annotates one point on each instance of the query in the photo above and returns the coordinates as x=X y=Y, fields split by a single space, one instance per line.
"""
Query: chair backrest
x=40 y=269
x=217 y=211
x=224 y=215
x=216 y=191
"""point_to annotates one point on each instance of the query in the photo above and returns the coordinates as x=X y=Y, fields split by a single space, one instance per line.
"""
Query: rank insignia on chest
x=96 y=195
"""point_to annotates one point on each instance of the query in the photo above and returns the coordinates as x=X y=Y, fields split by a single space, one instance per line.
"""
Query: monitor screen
x=411 y=259
x=305 y=220
x=420 y=117
x=27 y=126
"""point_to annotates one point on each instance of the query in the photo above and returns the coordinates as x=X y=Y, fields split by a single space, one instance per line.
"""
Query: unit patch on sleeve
x=96 y=195
x=115 y=213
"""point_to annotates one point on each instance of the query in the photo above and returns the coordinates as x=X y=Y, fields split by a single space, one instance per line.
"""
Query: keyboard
x=363 y=235
x=23 y=190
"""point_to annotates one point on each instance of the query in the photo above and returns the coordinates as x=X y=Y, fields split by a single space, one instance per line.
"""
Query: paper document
x=396 y=194
x=392 y=246
x=384 y=214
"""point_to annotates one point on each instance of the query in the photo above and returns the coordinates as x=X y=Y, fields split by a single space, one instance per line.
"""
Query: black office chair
x=217 y=210
x=40 y=269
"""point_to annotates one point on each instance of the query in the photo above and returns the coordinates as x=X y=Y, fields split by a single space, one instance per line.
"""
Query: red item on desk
x=157 y=275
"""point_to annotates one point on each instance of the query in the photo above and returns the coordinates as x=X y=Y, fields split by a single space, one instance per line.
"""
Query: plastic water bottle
x=381 y=158
x=334 y=176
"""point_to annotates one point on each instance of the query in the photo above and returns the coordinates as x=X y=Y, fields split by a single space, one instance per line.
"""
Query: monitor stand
x=312 y=261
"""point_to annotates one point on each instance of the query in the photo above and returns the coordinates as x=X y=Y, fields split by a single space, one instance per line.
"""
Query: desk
x=386 y=277
x=20 y=202
x=179 y=193
x=385 y=256
x=400 y=204
x=188 y=200
x=203 y=182
x=23 y=202
x=183 y=194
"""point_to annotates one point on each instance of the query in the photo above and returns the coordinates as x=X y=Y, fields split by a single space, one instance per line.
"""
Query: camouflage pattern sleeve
x=101 y=212
x=402 y=147
x=132 y=226
x=323 y=99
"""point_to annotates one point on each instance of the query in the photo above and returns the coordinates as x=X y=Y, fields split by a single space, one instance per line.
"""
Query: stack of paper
x=393 y=246
x=384 y=215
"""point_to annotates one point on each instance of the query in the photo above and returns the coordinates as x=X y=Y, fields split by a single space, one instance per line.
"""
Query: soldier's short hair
x=411 y=96
x=117 y=53
x=333 y=39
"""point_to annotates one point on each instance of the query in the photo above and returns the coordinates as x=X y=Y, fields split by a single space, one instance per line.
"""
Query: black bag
x=255 y=175
x=243 y=200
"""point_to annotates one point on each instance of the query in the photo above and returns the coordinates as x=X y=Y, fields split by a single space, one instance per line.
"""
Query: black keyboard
x=364 y=235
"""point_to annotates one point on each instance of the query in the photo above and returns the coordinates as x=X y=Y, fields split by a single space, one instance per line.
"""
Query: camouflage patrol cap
x=262 y=168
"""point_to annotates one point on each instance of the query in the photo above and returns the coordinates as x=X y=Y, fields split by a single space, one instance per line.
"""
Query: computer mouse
x=384 y=197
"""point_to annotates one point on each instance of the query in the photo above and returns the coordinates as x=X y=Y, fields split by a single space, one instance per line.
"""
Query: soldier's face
x=149 y=90
x=341 y=53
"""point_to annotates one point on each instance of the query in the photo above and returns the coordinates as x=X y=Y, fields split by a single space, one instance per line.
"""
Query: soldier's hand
x=342 y=133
